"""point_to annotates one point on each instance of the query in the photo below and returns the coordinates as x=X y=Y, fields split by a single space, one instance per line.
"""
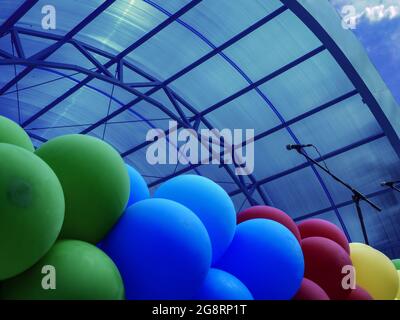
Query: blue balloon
x=209 y=202
x=162 y=250
x=221 y=285
x=139 y=190
x=267 y=258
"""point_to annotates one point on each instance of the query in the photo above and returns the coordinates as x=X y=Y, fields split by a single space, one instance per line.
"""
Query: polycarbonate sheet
x=6 y=44
x=363 y=168
x=271 y=155
x=9 y=107
x=75 y=57
x=142 y=110
x=8 y=7
x=171 y=6
x=126 y=134
x=308 y=85
x=84 y=106
x=209 y=83
x=7 y=73
x=34 y=99
x=338 y=126
x=262 y=51
x=138 y=161
x=39 y=78
x=240 y=202
x=250 y=108
x=33 y=45
x=161 y=97
x=123 y=23
x=220 y=20
x=292 y=193
x=221 y=176
x=169 y=51
x=68 y=14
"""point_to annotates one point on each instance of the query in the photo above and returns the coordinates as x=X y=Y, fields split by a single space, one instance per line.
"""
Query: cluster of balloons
x=337 y=270
x=184 y=243
x=73 y=207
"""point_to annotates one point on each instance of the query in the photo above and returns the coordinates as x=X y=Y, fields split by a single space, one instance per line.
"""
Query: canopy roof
x=287 y=69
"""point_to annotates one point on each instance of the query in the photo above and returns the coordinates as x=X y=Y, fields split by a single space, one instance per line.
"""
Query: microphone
x=387 y=183
x=298 y=146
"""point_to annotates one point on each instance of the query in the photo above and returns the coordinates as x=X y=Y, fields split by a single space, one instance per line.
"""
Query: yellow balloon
x=398 y=291
x=375 y=272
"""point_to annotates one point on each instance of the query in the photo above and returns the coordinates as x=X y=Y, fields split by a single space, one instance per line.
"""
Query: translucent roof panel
x=287 y=69
x=218 y=21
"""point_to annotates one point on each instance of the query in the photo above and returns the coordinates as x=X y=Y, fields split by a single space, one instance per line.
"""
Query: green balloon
x=71 y=270
x=396 y=263
x=31 y=209
x=12 y=133
x=95 y=183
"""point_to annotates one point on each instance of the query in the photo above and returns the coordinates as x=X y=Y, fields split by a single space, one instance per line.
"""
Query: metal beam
x=16 y=41
x=118 y=83
x=192 y=66
x=42 y=55
x=18 y=14
x=219 y=104
x=112 y=80
x=114 y=59
x=343 y=61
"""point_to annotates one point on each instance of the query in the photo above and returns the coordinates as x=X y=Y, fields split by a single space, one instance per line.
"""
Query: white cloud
x=372 y=10
x=378 y=13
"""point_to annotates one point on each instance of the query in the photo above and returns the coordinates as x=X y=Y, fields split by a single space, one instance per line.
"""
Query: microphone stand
x=357 y=196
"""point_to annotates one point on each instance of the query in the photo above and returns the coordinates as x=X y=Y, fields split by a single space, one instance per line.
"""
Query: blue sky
x=378 y=28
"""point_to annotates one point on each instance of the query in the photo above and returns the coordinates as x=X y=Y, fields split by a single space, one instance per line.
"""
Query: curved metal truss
x=101 y=72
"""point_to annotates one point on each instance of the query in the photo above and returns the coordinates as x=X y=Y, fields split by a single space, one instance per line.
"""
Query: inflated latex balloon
x=31 y=209
x=72 y=269
x=359 y=294
x=375 y=272
x=267 y=258
x=162 y=250
x=396 y=263
x=325 y=263
x=220 y=285
x=266 y=212
x=209 y=202
x=138 y=187
x=12 y=133
x=325 y=229
x=95 y=183
x=309 y=290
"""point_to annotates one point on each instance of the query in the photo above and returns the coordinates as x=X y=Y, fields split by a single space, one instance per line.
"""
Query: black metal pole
x=356 y=200
x=357 y=196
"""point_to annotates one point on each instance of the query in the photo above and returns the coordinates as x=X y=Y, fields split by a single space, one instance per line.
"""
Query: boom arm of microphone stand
x=357 y=195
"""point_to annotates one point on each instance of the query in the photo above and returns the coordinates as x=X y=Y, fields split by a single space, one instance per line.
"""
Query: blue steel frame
x=102 y=73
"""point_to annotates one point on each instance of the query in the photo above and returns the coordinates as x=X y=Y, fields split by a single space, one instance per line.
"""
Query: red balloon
x=324 y=261
x=266 y=212
x=325 y=229
x=309 y=290
x=359 y=294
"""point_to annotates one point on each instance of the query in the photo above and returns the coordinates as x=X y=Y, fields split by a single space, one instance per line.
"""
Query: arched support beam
x=349 y=55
